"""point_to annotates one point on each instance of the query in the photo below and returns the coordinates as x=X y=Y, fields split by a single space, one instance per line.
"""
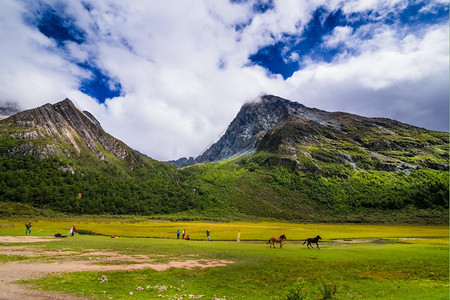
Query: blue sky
x=309 y=41
x=168 y=78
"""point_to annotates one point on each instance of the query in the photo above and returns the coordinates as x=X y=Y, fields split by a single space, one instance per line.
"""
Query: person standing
x=72 y=231
x=208 y=235
x=28 y=228
x=184 y=232
x=178 y=234
x=239 y=237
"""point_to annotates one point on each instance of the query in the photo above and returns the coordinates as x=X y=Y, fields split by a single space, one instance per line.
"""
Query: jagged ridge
x=61 y=129
x=284 y=127
x=254 y=120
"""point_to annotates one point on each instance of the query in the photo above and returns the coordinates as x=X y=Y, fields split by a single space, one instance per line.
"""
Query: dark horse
x=279 y=240
x=312 y=240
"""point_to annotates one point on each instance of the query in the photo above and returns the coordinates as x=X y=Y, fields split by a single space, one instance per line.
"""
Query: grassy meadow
x=355 y=261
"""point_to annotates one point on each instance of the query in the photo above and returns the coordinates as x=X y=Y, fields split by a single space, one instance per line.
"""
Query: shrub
x=298 y=291
x=328 y=291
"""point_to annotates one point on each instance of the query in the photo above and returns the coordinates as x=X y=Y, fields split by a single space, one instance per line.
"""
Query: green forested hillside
x=57 y=157
x=265 y=185
x=94 y=189
x=257 y=185
x=365 y=170
x=261 y=185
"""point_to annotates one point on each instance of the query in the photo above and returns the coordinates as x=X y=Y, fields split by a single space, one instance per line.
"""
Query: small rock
x=162 y=288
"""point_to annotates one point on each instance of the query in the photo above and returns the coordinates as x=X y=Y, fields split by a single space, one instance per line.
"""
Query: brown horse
x=278 y=240
x=312 y=240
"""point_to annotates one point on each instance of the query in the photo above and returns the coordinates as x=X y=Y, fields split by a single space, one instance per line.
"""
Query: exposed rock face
x=182 y=161
x=287 y=128
x=63 y=129
x=92 y=118
x=255 y=119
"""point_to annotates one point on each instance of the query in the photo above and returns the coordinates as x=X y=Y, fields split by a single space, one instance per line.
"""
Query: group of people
x=208 y=235
x=184 y=236
x=28 y=229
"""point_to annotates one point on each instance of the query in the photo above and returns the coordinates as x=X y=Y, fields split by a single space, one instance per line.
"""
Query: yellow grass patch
x=228 y=231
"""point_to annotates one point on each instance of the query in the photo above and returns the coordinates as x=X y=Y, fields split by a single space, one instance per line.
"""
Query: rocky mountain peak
x=61 y=129
x=255 y=119
x=282 y=127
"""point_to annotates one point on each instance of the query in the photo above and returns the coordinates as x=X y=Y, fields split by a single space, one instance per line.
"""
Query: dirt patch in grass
x=33 y=251
x=26 y=239
x=71 y=261
x=363 y=241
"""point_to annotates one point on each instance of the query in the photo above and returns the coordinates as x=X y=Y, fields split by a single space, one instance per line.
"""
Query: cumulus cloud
x=402 y=78
x=340 y=35
x=179 y=71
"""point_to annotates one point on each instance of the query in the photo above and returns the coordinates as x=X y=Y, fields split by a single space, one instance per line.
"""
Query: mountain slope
x=57 y=157
x=364 y=143
x=279 y=159
x=278 y=125
x=63 y=130
x=254 y=120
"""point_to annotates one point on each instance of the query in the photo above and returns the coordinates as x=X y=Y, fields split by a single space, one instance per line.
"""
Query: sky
x=168 y=77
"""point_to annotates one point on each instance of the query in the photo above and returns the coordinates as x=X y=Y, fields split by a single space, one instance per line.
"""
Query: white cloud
x=381 y=7
x=184 y=69
x=339 y=35
x=404 y=79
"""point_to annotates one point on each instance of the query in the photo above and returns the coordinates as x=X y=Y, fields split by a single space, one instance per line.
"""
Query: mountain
x=278 y=125
x=278 y=159
x=182 y=161
x=58 y=157
x=63 y=131
x=281 y=159
x=254 y=120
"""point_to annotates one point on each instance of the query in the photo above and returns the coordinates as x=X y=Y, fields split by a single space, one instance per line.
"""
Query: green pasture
x=359 y=261
x=222 y=231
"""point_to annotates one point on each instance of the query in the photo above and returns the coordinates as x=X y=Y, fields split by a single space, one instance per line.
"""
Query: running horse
x=312 y=240
x=278 y=240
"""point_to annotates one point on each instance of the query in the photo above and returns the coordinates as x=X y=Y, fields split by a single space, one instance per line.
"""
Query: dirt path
x=68 y=261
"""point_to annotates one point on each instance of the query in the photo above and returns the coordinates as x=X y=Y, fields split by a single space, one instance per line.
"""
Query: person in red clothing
x=72 y=231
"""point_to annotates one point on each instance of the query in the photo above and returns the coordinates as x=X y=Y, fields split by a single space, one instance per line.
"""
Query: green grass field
x=369 y=261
